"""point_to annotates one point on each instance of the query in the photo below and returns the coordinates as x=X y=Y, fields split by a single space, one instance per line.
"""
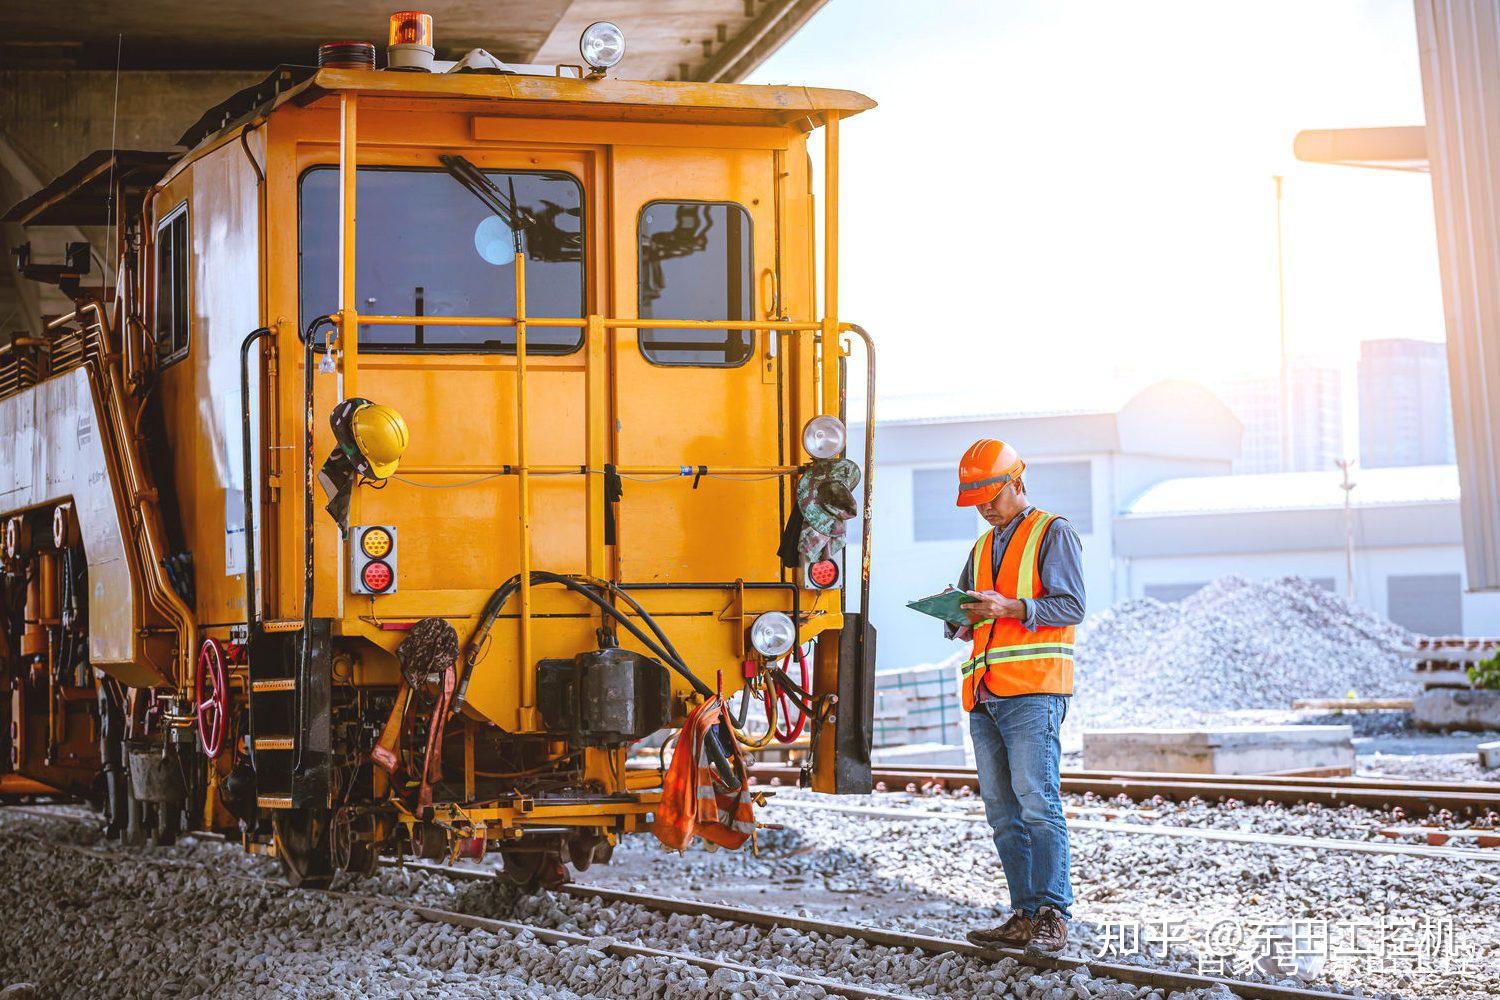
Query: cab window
x=695 y=263
x=172 y=287
x=429 y=246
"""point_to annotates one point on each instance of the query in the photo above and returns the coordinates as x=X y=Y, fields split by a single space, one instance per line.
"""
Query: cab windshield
x=427 y=245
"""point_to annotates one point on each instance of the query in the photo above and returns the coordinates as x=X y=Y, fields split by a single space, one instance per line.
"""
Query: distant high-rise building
x=1317 y=431
x=1404 y=414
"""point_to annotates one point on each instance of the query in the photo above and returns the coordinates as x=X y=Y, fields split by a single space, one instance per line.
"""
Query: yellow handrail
x=608 y=323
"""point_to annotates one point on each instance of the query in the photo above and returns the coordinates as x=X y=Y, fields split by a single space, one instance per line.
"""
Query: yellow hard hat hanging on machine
x=373 y=435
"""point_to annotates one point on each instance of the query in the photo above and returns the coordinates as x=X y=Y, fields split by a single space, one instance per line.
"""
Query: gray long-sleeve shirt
x=1060 y=566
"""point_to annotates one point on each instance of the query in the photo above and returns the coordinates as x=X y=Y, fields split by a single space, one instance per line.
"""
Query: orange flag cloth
x=692 y=804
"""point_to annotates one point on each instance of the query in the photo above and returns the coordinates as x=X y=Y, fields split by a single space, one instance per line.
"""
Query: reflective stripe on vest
x=1007 y=658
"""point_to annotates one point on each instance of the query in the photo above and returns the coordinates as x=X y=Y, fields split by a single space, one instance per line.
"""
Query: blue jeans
x=1017 y=751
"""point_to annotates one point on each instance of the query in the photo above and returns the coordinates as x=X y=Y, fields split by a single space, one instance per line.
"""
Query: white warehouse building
x=1146 y=482
x=1407 y=542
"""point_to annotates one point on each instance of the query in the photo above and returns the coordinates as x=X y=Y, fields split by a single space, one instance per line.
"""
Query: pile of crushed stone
x=1234 y=645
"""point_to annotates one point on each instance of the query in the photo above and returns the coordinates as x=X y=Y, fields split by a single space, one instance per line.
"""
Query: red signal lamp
x=377 y=576
x=824 y=573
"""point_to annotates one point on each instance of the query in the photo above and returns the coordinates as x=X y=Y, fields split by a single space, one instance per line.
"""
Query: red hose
x=786 y=709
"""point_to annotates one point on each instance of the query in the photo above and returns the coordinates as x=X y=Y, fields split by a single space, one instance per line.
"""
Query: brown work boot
x=1049 y=931
x=1014 y=933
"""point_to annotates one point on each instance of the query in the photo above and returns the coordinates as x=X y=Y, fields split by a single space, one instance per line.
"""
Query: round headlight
x=824 y=437
x=773 y=634
x=602 y=44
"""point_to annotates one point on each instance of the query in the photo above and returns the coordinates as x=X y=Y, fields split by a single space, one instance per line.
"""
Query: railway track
x=1136 y=975
x=1414 y=797
x=1163 y=979
x=1153 y=830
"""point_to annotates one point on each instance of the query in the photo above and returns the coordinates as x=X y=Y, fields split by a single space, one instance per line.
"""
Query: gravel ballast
x=1233 y=645
x=201 y=919
x=178 y=922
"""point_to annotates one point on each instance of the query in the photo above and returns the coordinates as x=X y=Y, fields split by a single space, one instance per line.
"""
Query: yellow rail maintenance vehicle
x=444 y=432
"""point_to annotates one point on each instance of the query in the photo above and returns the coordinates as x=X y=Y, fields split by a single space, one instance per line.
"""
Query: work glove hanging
x=825 y=499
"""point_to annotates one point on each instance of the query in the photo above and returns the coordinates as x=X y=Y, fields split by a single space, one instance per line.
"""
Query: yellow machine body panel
x=453 y=502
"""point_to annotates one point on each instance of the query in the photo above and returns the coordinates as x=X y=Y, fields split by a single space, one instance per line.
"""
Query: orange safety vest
x=1006 y=658
x=692 y=803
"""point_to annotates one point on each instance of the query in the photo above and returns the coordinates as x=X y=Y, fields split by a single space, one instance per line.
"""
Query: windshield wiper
x=543 y=238
x=480 y=186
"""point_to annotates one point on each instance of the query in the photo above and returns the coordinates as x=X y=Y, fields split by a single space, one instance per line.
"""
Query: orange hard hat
x=985 y=469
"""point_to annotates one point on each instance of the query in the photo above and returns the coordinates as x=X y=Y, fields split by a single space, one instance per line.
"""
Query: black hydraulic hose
x=252 y=610
x=651 y=622
x=504 y=592
x=674 y=661
x=792 y=690
x=714 y=743
x=304 y=661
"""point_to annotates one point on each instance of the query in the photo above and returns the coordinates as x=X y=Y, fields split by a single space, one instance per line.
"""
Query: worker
x=1025 y=576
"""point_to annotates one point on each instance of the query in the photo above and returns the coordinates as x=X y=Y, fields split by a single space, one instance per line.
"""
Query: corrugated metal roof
x=1297 y=491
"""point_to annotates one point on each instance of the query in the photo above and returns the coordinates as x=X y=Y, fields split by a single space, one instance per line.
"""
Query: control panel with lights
x=372 y=563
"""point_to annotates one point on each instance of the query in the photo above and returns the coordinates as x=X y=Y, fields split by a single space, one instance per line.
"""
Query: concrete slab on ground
x=1489 y=755
x=1455 y=709
x=1220 y=750
x=912 y=754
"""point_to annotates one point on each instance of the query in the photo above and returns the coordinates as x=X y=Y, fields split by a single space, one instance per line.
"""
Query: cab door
x=695 y=238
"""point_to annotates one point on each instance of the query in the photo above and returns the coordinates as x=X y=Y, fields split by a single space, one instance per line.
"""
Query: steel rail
x=1324 y=791
x=1157 y=830
x=1346 y=781
x=1142 y=976
x=624 y=949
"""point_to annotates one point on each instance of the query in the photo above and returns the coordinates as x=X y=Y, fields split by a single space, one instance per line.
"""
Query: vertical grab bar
x=526 y=716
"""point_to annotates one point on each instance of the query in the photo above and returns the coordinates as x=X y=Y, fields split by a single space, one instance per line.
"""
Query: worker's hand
x=964 y=632
x=990 y=604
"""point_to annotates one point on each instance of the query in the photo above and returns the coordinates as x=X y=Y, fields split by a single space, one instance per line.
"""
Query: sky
x=1083 y=187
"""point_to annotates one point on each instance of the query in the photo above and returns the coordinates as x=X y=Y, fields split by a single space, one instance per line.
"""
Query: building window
x=695 y=262
x=172 y=255
x=1064 y=488
x=1171 y=592
x=934 y=518
x=1429 y=603
x=427 y=245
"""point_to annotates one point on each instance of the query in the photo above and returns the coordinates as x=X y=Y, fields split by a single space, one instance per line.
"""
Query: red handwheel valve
x=211 y=695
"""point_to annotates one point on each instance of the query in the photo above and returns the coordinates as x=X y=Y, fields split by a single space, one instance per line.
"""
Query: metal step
x=273 y=743
x=274 y=684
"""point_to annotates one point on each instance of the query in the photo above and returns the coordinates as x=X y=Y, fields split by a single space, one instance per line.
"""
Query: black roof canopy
x=80 y=195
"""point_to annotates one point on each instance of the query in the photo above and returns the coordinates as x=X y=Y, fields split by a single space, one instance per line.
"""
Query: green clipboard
x=947 y=606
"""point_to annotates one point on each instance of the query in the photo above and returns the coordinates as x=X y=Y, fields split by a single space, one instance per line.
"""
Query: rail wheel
x=211 y=696
x=348 y=846
x=533 y=870
x=302 y=845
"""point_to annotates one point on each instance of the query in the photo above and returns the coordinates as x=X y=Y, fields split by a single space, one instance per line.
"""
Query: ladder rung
x=275 y=684
x=273 y=743
x=282 y=625
x=274 y=801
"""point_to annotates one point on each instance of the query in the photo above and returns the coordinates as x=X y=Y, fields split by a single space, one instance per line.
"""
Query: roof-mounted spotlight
x=602 y=46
